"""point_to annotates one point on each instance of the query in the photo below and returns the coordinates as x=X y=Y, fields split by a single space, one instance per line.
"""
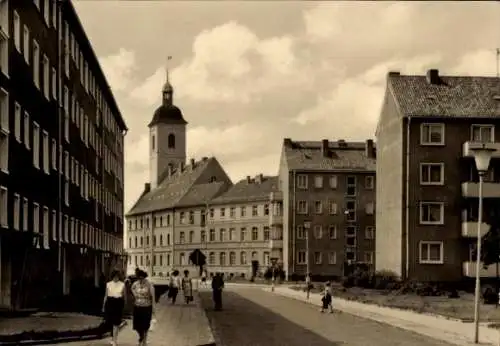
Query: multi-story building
x=239 y=229
x=426 y=177
x=61 y=155
x=168 y=220
x=329 y=195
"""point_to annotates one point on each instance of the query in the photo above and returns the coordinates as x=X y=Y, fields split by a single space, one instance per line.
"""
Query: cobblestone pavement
x=253 y=317
x=177 y=325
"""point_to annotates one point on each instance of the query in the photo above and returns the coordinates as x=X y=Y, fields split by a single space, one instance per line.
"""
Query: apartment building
x=239 y=228
x=61 y=155
x=330 y=188
x=168 y=221
x=427 y=191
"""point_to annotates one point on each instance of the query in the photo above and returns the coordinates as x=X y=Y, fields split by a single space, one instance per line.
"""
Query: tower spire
x=168 y=90
x=167 y=69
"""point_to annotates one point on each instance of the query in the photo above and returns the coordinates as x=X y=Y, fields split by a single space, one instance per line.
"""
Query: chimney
x=193 y=164
x=341 y=143
x=147 y=187
x=259 y=178
x=432 y=76
x=287 y=142
x=249 y=180
x=369 y=150
x=325 y=150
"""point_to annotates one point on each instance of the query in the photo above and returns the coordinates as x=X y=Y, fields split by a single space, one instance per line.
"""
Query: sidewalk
x=451 y=331
x=177 y=325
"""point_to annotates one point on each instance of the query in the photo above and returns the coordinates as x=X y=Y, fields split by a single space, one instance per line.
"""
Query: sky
x=248 y=74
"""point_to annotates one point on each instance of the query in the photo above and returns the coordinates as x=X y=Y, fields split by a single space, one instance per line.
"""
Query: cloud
x=119 y=69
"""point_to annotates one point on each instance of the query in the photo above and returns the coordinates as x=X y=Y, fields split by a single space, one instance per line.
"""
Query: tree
x=198 y=259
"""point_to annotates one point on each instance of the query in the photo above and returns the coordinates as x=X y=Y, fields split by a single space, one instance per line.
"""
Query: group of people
x=326 y=294
x=144 y=300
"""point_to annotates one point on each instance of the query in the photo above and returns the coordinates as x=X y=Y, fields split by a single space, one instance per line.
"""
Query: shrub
x=489 y=296
x=385 y=279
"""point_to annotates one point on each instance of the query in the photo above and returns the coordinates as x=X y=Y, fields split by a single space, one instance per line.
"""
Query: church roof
x=181 y=188
x=168 y=114
x=249 y=190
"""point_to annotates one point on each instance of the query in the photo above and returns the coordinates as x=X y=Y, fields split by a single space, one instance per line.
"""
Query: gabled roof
x=176 y=188
x=249 y=190
x=459 y=96
x=341 y=156
x=202 y=194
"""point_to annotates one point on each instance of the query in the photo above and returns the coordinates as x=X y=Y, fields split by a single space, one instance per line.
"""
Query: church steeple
x=168 y=89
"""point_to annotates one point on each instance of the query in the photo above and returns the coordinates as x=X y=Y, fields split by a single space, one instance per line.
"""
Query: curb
x=63 y=339
x=210 y=332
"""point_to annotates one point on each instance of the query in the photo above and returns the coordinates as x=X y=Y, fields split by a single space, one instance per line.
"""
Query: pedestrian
x=174 y=286
x=204 y=278
x=187 y=287
x=327 y=297
x=309 y=285
x=217 y=287
x=113 y=304
x=144 y=305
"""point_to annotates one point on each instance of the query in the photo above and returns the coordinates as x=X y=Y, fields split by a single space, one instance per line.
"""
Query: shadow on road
x=245 y=323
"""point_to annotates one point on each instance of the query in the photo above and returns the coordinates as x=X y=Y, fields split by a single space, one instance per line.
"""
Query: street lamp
x=307 y=226
x=482 y=156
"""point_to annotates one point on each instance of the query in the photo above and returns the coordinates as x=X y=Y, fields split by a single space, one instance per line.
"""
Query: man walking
x=217 y=286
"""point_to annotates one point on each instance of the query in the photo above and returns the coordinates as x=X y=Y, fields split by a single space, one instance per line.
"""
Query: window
x=266 y=209
x=17 y=31
x=255 y=233
x=36 y=218
x=350 y=240
x=222 y=258
x=3 y=207
x=54 y=154
x=370 y=208
x=332 y=258
x=26 y=44
x=332 y=231
x=318 y=207
x=332 y=208
x=243 y=211
x=483 y=133
x=46 y=76
x=243 y=233
x=266 y=233
x=17 y=121
x=302 y=207
x=255 y=210
x=191 y=236
x=431 y=213
x=350 y=255
x=222 y=234
x=36 y=145
x=54 y=83
x=66 y=193
x=222 y=212
x=36 y=64
x=243 y=257
x=27 y=126
x=318 y=231
x=302 y=181
x=351 y=186
x=369 y=257
x=318 y=181
x=350 y=210
x=211 y=213
x=171 y=141
x=4 y=40
x=4 y=111
x=232 y=212
x=211 y=258
x=25 y=214
x=301 y=257
x=432 y=134
x=232 y=258
x=431 y=173
x=45 y=155
x=370 y=182
x=182 y=258
x=203 y=237
x=4 y=152
x=431 y=252
x=370 y=232
x=318 y=258
x=212 y=235
x=17 y=212
x=333 y=181
x=350 y=231
x=301 y=233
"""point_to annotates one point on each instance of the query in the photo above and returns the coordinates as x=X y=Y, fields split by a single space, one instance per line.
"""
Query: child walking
x=327 y=298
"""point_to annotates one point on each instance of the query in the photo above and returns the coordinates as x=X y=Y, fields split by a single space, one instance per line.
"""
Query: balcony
x=490 y=190
x=469 y=270
x=275 y=219
x=469 y=229
x=276 y=244
x=469 y=146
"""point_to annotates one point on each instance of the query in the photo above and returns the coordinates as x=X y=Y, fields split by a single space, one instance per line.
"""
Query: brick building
x=332 y=186
x=61 y=156
x=426 y=177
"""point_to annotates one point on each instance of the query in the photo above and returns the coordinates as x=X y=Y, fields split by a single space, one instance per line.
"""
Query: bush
x=489 y=296
x=385 y=279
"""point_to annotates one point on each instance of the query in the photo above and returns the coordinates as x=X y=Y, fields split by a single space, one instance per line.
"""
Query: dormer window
x=212 y=179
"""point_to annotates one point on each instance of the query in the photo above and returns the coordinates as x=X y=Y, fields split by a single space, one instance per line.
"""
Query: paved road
x=252 y=317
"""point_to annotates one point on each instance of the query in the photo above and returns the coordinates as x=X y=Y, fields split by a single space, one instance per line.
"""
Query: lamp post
x=307 y=226
x=482 y=156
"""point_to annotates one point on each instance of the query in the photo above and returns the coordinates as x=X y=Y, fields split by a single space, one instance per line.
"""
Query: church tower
x=167 y=137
